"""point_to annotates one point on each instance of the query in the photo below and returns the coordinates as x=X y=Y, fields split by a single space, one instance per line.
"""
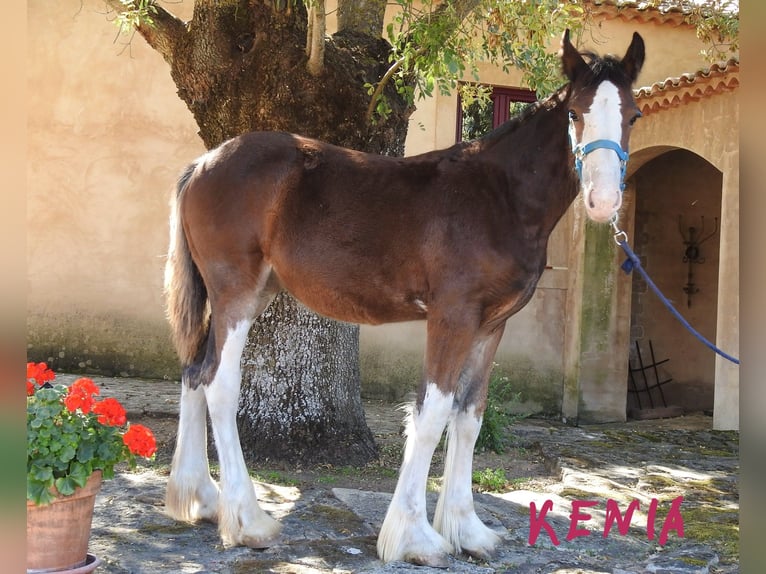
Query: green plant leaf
x=65 y=486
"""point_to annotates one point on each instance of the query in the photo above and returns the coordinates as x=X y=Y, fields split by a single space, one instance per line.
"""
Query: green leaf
x=41 y=474
x=66 y=485
x=86 y=451
x=80 y=472
x=39 y=493
x=67 y=453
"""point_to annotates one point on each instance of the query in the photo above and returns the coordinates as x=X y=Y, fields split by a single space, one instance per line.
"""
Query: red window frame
x=501 y=97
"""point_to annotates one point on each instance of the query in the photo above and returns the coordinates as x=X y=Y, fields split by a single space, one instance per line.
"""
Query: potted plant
x=74 y=440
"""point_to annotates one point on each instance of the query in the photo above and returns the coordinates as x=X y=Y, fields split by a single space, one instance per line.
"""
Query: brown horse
x=456 y=237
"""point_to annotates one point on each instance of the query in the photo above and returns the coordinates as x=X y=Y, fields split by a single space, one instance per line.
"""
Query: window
x=478 y=119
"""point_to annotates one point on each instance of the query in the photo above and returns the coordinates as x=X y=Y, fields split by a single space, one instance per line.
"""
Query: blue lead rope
x=633 y=262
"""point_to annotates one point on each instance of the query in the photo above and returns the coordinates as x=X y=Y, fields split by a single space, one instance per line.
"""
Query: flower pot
x=58 y=533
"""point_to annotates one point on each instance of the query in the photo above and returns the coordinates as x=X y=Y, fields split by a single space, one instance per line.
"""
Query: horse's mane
x=513 y=123
x=606 y=68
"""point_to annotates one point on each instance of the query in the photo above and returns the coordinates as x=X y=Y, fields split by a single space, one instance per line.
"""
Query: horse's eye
x=573 y=115
x=634 y=118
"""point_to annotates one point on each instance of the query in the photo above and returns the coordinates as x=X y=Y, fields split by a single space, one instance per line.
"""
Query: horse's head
x=601 y=113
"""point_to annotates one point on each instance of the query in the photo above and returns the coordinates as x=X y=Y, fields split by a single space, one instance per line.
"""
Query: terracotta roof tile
x=669 y=12
x=672 y=92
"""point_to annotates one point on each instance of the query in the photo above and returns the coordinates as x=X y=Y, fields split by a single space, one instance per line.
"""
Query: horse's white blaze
x=601 y=168
x=191 y=493
x=406 y=533
x=240 y=519
x=455 y=517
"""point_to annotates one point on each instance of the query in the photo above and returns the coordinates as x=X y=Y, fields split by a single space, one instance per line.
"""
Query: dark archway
x=677 y=205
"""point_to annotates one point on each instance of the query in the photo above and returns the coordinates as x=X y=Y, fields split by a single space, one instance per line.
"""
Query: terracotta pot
x=58 y=533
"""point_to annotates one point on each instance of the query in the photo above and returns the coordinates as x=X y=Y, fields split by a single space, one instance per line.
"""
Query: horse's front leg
x=241 y=521
x=455 y=517
x=406 y=533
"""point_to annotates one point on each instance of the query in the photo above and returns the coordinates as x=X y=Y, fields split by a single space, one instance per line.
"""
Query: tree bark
x=301 y=401
x=241 y=65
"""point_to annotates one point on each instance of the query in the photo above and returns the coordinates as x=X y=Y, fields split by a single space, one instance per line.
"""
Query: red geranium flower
x=110 y=412
x=80 y=395
x=60 y=420
x=140 y=440
x=40 y=373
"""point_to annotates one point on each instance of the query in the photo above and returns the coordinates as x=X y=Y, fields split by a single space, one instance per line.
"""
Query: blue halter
x=580 y=151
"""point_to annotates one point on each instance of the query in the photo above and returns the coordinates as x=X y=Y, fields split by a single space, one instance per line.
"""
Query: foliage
x=70 y=435
x=490 y=480
x=716 y=21
x=135 y=13
x=497 y=416
x=436 y=44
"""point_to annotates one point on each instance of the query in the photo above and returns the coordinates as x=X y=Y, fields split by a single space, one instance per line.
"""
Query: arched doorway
x=676 y=235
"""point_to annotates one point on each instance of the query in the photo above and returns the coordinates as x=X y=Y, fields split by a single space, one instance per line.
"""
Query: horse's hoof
x=263 y=535
x=482 y=547
x=439 y=560
x=261 y=543
x=479 y=553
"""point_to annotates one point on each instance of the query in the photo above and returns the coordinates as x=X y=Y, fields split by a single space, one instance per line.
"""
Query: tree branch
x=164 y=31
x=384 y=81
x=315 y=37
x=453 y=13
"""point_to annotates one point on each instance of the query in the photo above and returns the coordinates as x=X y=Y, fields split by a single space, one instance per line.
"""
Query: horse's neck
x=546 y=191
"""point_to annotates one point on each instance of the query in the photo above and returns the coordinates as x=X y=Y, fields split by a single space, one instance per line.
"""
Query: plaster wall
x=107 y=137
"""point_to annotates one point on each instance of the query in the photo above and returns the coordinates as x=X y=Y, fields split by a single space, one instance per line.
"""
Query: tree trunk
x=242 y=66
x=301 y=400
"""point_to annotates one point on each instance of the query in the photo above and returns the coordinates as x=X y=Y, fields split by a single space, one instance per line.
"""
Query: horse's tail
x=185 y=292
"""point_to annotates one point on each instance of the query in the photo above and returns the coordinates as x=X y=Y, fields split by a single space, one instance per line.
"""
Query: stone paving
x=682 y=475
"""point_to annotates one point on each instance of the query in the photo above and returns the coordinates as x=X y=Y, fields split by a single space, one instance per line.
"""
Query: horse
x=456 y=237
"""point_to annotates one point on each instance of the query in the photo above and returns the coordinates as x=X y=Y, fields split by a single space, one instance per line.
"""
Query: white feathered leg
x=191 y=493
x=241 y=521
x=455 y=517
x=406 y=533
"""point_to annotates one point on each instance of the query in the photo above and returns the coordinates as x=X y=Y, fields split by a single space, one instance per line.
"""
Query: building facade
x=108 y=136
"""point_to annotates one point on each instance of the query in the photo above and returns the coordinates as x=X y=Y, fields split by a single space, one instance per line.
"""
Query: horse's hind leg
x=241 y=521
x=455 y=517
x=236 y=299
x=191 y=493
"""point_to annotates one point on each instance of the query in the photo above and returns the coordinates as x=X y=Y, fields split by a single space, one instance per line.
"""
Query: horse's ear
x=572 y=62
x=634 y=57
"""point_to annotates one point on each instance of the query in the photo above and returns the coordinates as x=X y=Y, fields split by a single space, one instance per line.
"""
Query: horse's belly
x=369 y=304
